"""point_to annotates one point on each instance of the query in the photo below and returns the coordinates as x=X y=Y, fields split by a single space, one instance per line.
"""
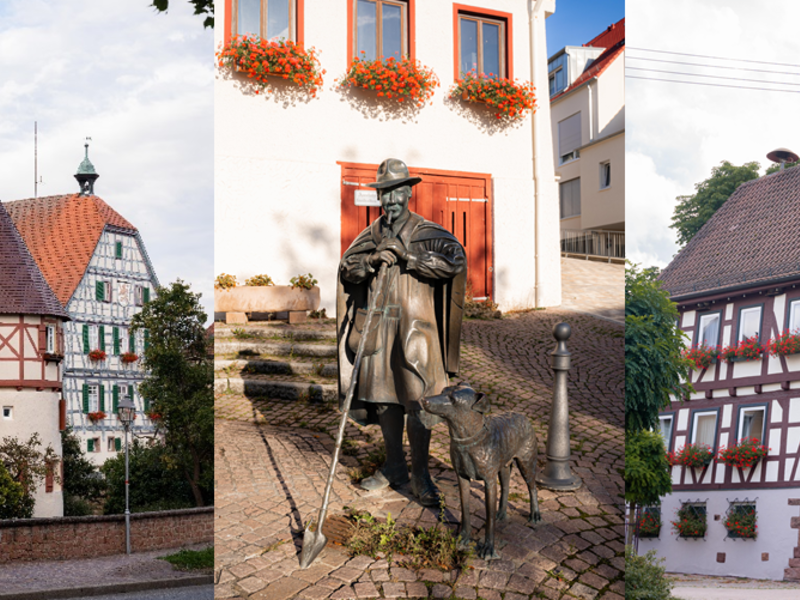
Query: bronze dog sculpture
x=482 y=448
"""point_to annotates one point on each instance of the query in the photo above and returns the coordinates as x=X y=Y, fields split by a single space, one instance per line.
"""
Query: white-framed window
x=704 y=428
x=103 y=291
x=142 y=295
x=93 y=445
x=665 y=428
x=708 y=329
x=50 y=339
x=94 y=397
x=752 y=420
x=557 y=74
x=569 y=193
x=569 y=138
x=8 y=412
x=794 y=315
x=749 y=322
x=94 y=337
x=269 y=19
x=605 y=175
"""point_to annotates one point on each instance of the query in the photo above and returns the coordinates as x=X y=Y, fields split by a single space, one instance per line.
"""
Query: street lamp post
x=126 y=413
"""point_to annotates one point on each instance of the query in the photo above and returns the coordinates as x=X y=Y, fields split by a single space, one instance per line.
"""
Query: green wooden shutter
x=99 y=291
x=116 y=340
x=118 y=444
x=115 y=396
x=146 y=295
x=90 y=445
x=131 y=342
x=118 y=250
x=146 y=405
x=85 y=398
x=101 y=337
x=86 y=348
x=146 y=339
x=102 y=398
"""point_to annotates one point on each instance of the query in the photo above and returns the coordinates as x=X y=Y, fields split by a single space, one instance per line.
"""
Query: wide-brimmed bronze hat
x=393 y=173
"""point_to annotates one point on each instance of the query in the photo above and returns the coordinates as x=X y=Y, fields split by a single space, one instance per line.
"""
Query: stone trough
x=240 y=301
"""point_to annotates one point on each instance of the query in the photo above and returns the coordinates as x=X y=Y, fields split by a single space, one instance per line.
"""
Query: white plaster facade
x=278 y=183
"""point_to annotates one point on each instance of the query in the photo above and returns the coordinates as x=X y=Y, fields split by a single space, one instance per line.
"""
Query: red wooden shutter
x=42 y=339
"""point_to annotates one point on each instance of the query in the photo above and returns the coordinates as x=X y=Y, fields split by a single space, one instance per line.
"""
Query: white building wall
x=278 y=182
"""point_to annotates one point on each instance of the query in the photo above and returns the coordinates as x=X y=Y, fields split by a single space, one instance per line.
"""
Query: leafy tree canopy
x=14 y=502
x=201 y=7
x=179 y=383
x=655 y=369
x=692 y=212
x=83 y=483
x=26 y=463
x=647 y=472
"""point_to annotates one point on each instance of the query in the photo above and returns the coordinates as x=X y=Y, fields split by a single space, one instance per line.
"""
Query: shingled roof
x=23 y=290
x=613 y=40
x=62 y=233
x=753 y=239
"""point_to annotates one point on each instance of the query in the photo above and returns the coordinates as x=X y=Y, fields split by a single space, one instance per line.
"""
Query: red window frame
x=351 y=24
x=299 y=21
x=475 y=11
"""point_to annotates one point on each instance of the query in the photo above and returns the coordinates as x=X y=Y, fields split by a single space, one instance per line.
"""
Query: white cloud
x=138 y=82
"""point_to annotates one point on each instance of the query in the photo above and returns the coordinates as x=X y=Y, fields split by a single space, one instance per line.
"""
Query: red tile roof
x=23 y=289
x=62 y=233
x=751 y=240
x=613 y=40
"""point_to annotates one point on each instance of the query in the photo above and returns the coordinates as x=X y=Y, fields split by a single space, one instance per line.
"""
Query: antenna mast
x=35 y=160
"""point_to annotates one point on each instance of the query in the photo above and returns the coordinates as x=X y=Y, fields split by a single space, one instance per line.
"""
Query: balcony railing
x=593 y=244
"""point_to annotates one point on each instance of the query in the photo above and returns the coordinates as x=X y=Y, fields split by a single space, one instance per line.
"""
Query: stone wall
x=83 y=537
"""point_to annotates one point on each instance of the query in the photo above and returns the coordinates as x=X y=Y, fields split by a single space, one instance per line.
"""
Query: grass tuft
x=191 y=560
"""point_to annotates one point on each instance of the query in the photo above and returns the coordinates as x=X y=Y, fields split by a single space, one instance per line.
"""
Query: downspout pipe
x=535 y=7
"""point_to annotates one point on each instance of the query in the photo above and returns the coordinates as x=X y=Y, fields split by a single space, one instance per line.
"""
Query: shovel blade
x=313 y=543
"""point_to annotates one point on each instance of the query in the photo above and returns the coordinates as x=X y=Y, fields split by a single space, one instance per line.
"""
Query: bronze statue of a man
x=413 y=342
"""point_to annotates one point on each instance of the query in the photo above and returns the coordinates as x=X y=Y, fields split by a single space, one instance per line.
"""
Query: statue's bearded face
x=395 y=202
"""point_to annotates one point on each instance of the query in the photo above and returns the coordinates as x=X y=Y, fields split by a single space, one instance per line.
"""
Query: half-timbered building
x=97 y=265
x=31 y=354
x=737 y=284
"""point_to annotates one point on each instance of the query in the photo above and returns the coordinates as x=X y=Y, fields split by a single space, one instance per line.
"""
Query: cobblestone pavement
x=707 y=587
x=272 y=462
x=593 y=287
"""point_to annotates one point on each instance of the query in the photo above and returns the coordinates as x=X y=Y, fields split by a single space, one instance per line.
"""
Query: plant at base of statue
x=259 y=280
x=96 y=416
x=511 y=99
x=225 y=281
x=305 y=282
x=97 y=354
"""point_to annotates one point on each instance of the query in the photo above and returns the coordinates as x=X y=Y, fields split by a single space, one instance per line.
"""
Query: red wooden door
x=459 y=202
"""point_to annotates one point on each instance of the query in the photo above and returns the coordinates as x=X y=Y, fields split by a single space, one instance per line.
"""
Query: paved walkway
x=707 y=587
x=93 y=576
x=593 y=287
x=272 y=463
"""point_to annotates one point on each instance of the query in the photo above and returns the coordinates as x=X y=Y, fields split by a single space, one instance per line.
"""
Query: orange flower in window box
x=393 y=79
x=511 y=99
x=97 y=355
x=96 y=416
x=260 y=59
x=129 y=357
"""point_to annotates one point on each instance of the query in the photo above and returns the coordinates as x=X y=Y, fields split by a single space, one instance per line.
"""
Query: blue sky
x=575 y=22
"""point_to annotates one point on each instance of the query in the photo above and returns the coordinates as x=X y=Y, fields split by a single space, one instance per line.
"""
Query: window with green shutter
x=102 y=390
x=90 y=445
x=131 y=342
x=146 y=294
x=118 y=444
x=115 y=398
x=86 y=348
x=85 y=398
x=100 y=291
x=115 y=331
x=118 y=250
x=101 y=337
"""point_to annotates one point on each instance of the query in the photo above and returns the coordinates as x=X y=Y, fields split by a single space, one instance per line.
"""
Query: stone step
x=794 y=563
x=287 y=332
x=287 y=390
x=275 y=348
x=275 y=367
x=797 y=552
x=791 y=574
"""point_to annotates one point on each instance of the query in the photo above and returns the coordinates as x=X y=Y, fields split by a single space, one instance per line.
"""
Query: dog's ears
x=482 y=403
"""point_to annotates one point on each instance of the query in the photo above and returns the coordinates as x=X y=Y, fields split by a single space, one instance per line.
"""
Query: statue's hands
x=394 y=245
x=382 y=256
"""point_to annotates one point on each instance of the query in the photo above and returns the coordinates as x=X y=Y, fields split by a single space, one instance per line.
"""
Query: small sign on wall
x=367 y=198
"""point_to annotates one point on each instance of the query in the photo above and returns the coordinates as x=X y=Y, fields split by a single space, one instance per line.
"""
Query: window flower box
x=741 y=521
x=96 y=416
x=154 y=416
x=650 y=523
x=260 y=59
x=691 y=522
x=786 y=343
x=702 y=356
x=510 y=99
x=392 y=79
x=744 y=454
x=691 y=455
x=747 y=349
x=129 y=357
x=53 y=357
x=97 y=355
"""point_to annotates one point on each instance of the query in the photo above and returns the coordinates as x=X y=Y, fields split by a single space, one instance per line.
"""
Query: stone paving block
x=611 y=596
x=468 y=578
x=441 y=591
x=432 y=575
x=513 y=596
x=224 y=591
x=494 y=579
x=521 y=584
x=583 y=592
x=360 y=562
x=315 y=592
x=346 y=574
x=314 y=573
x=366 y=590
x=606 y=571
x=344 y=593
x=242 y=570
x=416 y=589
x=394 y=590
x=594 y=580
x=282 y=589
x=402 y=574
x=269 y=574
x=618 y=587
x=251 y=585
x=488 y=594
x=379 y=574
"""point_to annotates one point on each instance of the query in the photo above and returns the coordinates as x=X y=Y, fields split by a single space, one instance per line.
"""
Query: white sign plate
x=367 y=198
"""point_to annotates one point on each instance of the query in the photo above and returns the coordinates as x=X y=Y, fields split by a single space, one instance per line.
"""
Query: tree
x=27 y=464
x=655 y=369
x=692 y=212
x=647 y=472
x=179 y=383
x=83 y=483
x=14 y=503
x=201 y=7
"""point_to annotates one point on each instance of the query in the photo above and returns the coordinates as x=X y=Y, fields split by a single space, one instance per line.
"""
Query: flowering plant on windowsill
x=259 y=59
x=649 y=525
x=393 y=79
x=702 y=356
x=787 y=342
x=748 y=349
x=96 y=416
x=691 y=523
x=129 y=357
x=154 y=416
x=741 y=522
x=512 y=99
x=744 y=454
x=691 y=455
x=97 y=354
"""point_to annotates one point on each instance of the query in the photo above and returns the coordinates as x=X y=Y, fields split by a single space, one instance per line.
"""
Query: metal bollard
x=557 y=475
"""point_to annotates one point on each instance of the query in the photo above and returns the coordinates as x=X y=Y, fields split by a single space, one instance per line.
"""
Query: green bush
x=14 y=502
x=83 y=485
x=644 y=577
